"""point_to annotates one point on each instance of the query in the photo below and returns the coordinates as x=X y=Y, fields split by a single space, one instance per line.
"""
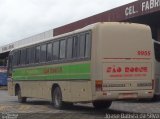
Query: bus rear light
x=98 y=85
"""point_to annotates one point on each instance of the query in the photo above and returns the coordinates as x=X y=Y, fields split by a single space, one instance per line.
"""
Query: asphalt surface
x=41 y=109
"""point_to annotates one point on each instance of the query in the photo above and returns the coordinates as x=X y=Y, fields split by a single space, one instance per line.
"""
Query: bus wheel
x=57 y=98
x=102 y=104
x=20 y=98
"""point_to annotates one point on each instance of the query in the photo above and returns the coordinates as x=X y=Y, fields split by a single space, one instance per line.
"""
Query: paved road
x=35 y=108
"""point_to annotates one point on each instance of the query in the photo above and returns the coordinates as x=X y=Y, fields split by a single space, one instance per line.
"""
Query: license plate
x=127 y=95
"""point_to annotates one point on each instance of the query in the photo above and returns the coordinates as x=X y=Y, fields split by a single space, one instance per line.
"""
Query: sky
x=20 y=19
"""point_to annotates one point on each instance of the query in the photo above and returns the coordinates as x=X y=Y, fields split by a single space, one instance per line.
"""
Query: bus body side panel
x=73 y=79
x=72 y=91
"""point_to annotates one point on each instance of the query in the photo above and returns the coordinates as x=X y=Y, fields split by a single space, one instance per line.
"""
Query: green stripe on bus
x=60 y=72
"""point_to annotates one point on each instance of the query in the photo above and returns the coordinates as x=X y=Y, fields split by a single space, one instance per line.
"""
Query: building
x=140 y=11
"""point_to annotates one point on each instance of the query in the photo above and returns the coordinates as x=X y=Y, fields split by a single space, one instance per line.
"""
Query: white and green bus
x=99 y=63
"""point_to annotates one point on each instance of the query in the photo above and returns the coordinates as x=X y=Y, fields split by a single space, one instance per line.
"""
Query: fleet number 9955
x=144 y=53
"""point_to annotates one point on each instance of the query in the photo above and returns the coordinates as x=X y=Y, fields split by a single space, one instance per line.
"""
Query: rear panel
x=124 y=61
x=128 y=76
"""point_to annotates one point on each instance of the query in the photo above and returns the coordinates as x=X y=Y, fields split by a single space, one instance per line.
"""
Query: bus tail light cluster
x=98 y=85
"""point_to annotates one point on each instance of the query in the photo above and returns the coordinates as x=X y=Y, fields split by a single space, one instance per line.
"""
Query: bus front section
x=124 y=62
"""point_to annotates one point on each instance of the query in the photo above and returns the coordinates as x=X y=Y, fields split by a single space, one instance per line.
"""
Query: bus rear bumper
x=122 y=95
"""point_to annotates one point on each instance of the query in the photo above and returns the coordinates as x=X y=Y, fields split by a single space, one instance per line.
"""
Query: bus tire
x=101 y=104
x=57 y=98
x=20 y=98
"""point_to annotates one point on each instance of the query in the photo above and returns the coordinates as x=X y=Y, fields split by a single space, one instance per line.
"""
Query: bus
x=99 y=63
x=3 y=75
x=156 y=45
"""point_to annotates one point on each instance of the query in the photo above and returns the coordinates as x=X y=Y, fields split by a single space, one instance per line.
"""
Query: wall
x=26 y=41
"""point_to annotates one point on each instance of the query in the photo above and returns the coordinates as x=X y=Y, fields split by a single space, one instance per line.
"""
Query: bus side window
x=27 y=56
x=56 y=50
x=62 y=54
x=69 y=47
x=14 y=58
x=23 y=57
x=43 y=54
x=82 y=45
x=87 y=45
x=49 y=51
x=76 y=47
x=18 y=57
x=37 y=58
x=31 y=55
